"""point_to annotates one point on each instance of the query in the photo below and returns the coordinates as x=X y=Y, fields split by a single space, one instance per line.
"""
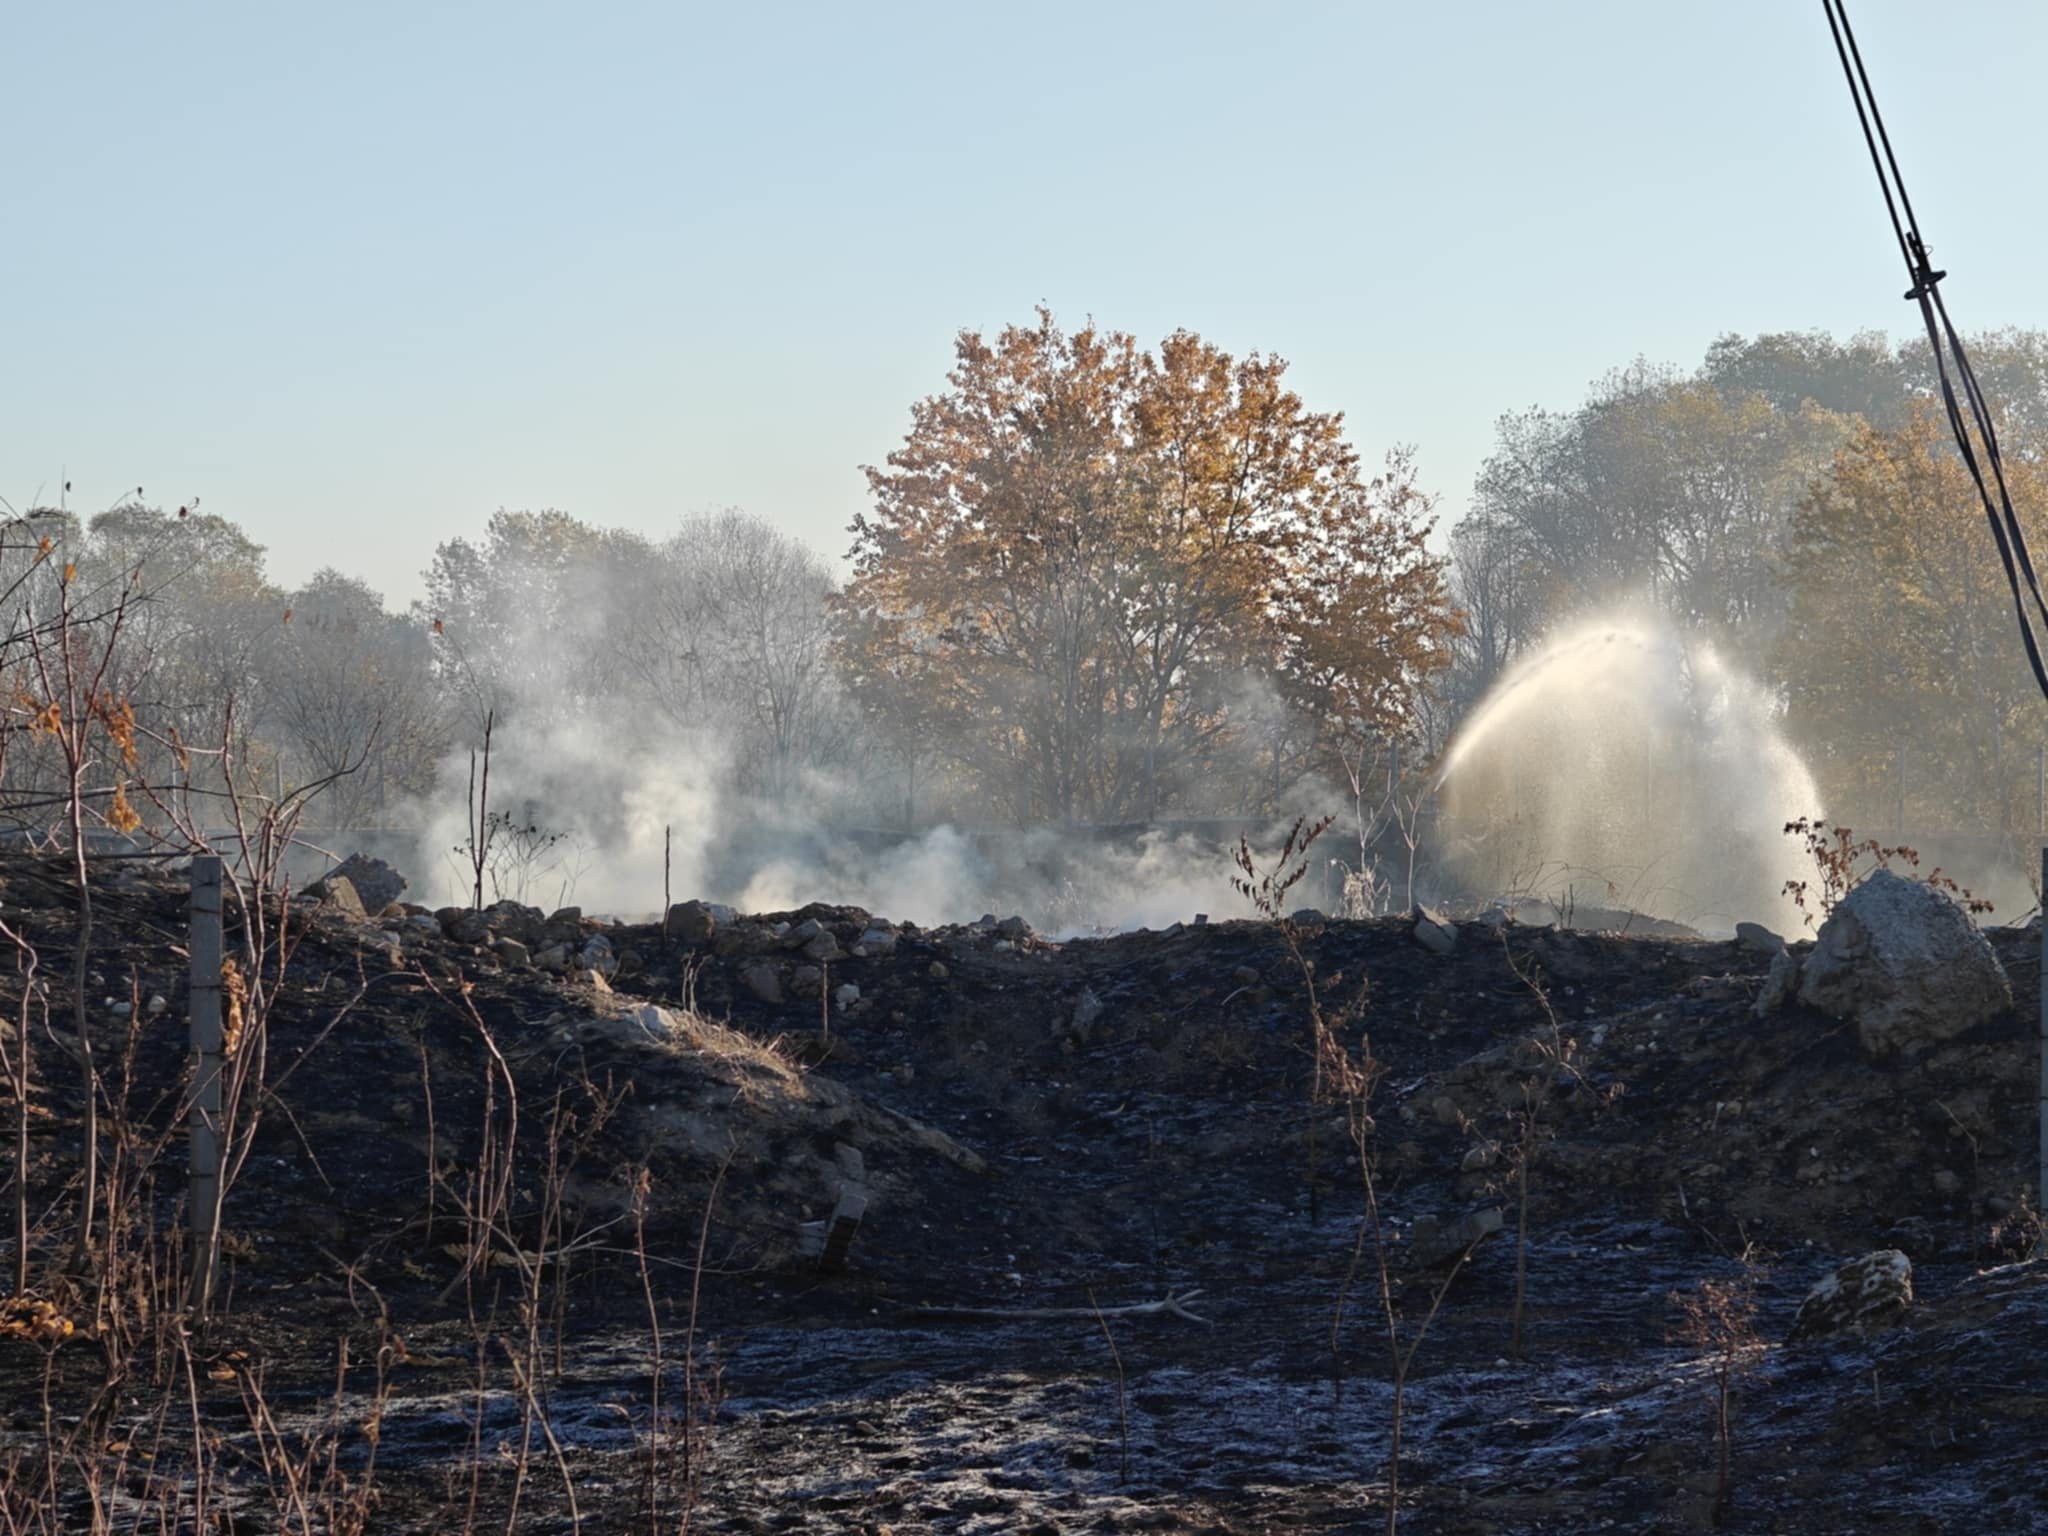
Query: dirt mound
x=1029 y=1130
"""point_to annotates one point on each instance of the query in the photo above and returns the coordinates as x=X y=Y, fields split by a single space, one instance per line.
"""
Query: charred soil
x=1022 y=1143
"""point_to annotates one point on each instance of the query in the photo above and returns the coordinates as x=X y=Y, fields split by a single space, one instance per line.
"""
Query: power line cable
x=1947 y=346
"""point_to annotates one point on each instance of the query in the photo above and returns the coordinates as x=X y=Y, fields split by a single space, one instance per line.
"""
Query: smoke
x=1631 y=768
x=580 y=813
x=1065 y=884
x=577 y=812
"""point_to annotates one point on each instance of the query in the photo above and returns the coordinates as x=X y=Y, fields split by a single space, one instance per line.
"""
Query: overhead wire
x=1949 y=354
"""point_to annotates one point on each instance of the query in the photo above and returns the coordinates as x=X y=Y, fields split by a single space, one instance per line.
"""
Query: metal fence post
x=203 y=1187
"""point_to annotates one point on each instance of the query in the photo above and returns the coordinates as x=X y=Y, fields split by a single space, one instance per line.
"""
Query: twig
x=1123 y=1412
x=1174 y=1304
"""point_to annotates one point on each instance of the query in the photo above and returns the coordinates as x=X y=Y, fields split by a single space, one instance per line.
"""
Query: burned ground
x=1054 y=1127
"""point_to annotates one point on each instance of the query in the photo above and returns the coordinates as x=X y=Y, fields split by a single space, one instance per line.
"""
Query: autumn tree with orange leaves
x=1901 y=635
x=1090 y=567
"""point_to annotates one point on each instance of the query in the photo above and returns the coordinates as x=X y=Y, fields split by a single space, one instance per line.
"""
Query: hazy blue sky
x=358 y=275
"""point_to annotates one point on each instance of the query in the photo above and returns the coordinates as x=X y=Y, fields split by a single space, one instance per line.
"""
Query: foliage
x=1080 y=546
x=1673 y=489
x=1844 y=863
x=1901 y=636
x=1718 y=1318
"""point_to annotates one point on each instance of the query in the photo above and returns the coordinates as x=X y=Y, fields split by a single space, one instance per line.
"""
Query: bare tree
x=346 y=683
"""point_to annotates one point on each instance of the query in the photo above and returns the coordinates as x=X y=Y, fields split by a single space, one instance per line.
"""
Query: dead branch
x=1172 y=1305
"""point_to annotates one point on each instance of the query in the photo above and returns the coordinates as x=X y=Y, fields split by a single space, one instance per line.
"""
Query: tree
x=347 y=690
x=1902 y=633
x=530 y=619
x=1864 y=376
x=1079 y=543
x=738 y=635
x=1496 y=584
x=1660 y=489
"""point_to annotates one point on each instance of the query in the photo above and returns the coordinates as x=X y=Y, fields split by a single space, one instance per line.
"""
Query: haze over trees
x=1791 y=501
x=1105 y=582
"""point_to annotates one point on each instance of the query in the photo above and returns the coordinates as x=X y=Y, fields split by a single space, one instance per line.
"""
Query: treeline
x=1097 y=582
x=1796 y=501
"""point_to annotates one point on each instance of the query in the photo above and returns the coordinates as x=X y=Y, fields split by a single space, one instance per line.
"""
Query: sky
x=357 y=276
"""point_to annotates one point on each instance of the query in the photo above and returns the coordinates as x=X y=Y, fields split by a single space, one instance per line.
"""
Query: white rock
x=654 y=1021
x=1780 y=983
x=1906 y=963
x=1874 y=1291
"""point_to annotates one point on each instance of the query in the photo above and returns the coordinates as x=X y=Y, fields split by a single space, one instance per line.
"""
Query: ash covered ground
x=1035 y=1130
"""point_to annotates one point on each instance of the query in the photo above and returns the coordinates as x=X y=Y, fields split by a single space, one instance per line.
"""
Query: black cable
x=1947 y=346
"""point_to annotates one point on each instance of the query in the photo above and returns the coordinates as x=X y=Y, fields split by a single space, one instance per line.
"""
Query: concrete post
x=203 y=1184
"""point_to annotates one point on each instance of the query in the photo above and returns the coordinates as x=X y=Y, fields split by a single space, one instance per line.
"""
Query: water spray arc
x=1632 y=767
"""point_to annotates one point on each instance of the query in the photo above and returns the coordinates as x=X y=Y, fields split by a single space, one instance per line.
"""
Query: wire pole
x=203 y=1184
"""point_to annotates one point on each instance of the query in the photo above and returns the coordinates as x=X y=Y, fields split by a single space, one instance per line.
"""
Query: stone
x=846 y=995
x=339 y=892
x=692 y=922
x=655 y=1022
x=806 y=981
x=824 y=949
x=1080 y=1025
x=1781 y=984
x=1947 y=1181
x=597 y=956
x=1906 y=964
x=515 y=920
x=376 y=883
x=1479 y=1157
x=511 y=954
x=1306 y=915
x=1433 y=1241
x=1013 y=928
x=1758 y=939
x=1865 y=1294
x=853 y=1204
x=1433 y=933
x=803 y=933
x=762 y=981
x=876 y=941
x=553 y=958
x=464 y=926
x=937 y=970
